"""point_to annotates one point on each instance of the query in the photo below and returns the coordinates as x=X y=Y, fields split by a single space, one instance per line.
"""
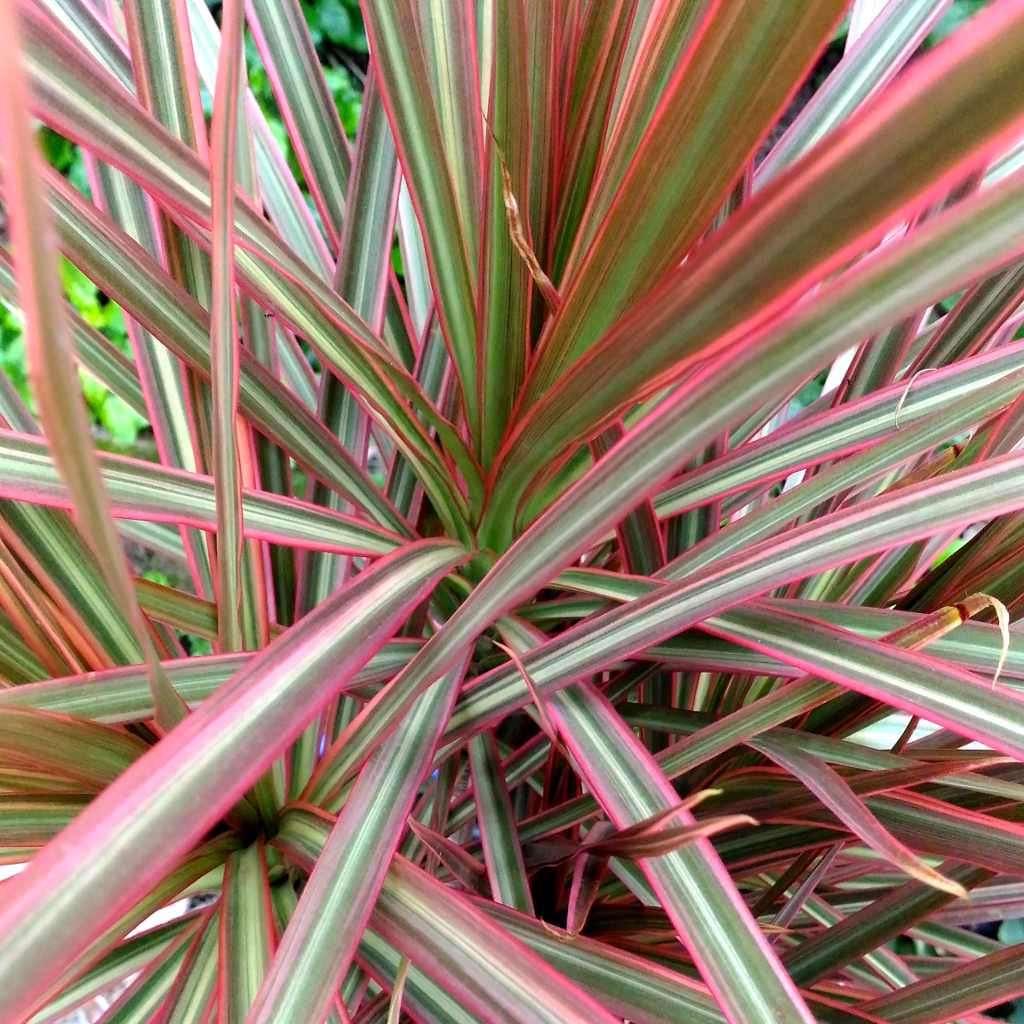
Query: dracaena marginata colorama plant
x=553 y=627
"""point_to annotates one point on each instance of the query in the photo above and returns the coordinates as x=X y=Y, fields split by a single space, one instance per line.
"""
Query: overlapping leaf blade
x=578 y=310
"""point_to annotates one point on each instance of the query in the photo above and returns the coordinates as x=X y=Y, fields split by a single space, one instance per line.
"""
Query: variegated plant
x=572 y=486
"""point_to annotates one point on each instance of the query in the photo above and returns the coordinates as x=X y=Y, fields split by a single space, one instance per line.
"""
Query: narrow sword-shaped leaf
x=975 y=320
x=869 y=63
x=544 y=60
x=262 y=261
x=197 y=864
x=691 y=884
x=691 y=399
x=958 y=941
x=18 y=663
x=852 y=472
x=947 y=831
x=123 y=961
x=493 y=975
x=92 y=753
x=72 y=576
x=285 y=203
x=145 y=995
x=224 y=328
x=656 y=842
x=608 y=638
x=459 y=80
x=880 y=920
x=695 y=302
x=267 y=574
x=126 y=272
x=933 y=797
x=919 y=510
x=629 y=985
x=32 y=820
x=504 y=287
x=361 y=277
x=66 y=568
x=833 y=791
x=502 y=853
x=916 y=682
x=708 y=122
x=177 y=609
x=280 y=193
x=397 y=991
x=51 y=365
x=153 y=813
x=632 y=986
x=122 y=695
x=594 y=70
x=404 y=79
x=470 y=873
x=246 y=933
x=588 y=872
x=164 y=85
x=194 y=989
x=828 y=435
x=823 y=748
x=306 y=105
x=341 y=891
x=425 y=998
x=882 y=962
x=632 y=464
x=972 y=645
x=662 y=36
x=94 y=30
x=963 y=989
x=165 y=67
x=25 y=606
x=143 y=490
